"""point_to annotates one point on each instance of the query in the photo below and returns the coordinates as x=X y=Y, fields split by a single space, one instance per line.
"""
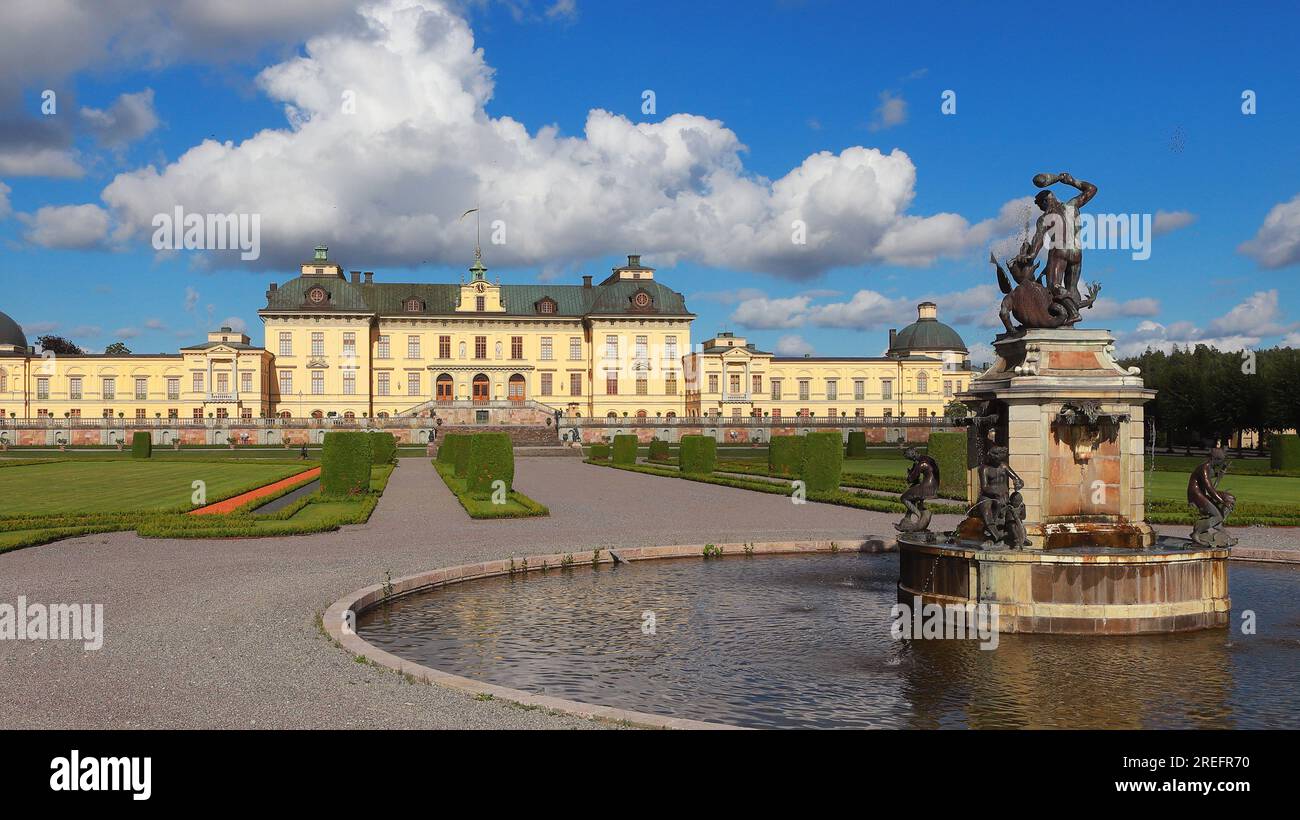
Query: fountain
x=1057 y=536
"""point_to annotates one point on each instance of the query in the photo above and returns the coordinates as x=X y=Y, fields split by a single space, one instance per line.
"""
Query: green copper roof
x=926 y=334
x=389 y=298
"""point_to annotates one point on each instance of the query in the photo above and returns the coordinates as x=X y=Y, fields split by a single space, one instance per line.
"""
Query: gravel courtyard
x=223 y=633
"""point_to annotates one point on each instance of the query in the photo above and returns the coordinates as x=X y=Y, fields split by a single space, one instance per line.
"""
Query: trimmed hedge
x=949 y=451
x=345 y=464
x=600 y=451
x=449 y=447
x=491 y=458
x=823 y=459
x=659 y=451
x=141 y=445
x=383 y=447
x=785 y=455
x=625 y=449
x=699 y=454
x=1284 y=452
x=857 y=445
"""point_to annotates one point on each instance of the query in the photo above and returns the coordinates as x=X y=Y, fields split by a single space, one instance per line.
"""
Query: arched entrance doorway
x=482 y=390
x=444 y=388
x=515 y=388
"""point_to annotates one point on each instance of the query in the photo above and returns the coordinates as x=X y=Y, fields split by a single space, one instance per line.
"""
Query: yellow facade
x=225 y=377
x=344 y=346
x=731 y=378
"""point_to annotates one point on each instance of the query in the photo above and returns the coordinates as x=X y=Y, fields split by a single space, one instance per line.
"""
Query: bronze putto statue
x=923 y=483
x=1000 y=506
x=1215 y=505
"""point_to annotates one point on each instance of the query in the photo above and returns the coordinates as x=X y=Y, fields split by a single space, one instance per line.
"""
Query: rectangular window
x=349 y=382
x=412 y=347
x=546 y=384
x=412 y=384
x=888 y=412
x=642 y=385
x=547 y=352
x=444 y=347
x=141 y=389
x=173 y=389
x=832 y=389
x=611 y=382
x=756 y=385
x=480 y=303
x=480 y=347
x=223 y=382
x=575 y=348
x=733 y=384
x=350 y=344
x=317 y=344
x=246 y=382
x=139 y=414
x=516 y=347
x=859 y=389
x=197 y=414
x=246 y=413
x=922 y=413
x=776 y=389
x=886 y=389
x=947 y=387
x=670 y=383
x=382 y=384
x=286 y=383
x=776 y=414
x=317 y=383
x=42 y=388
x=611 y=347
x=109 y=389
x=670 y=348
x=74 y=387
x=642 y=347
x=575 y=384
x=804 y=391
x=860 y=412
x=832 y=414
x=713 y=382
x=385 y=348
x=286 y=344
x=173 y=413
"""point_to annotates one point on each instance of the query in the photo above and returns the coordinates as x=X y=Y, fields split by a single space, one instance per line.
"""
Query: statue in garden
x=1215 y=505
x=1059 y=228
x=1000 y=505
x=923 y=483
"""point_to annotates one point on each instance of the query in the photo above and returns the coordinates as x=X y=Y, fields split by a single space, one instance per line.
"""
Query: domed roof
x=926 y=333
x=11 y=333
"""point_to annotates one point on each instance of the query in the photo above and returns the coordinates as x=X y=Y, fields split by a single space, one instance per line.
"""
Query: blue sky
x=1145 y=101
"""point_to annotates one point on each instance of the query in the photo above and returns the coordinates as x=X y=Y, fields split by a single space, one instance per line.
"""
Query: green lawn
x=1257 y=489
x=78 y=487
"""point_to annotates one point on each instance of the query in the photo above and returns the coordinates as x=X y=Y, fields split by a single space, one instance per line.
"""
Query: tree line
x=1205 y=396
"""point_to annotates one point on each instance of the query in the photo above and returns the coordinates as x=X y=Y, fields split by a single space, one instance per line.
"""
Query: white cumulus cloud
x=1277 y=243
x=66 y=226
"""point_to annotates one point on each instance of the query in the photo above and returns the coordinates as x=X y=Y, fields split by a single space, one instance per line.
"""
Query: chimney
x=356 y=277
x=274 y=287
x=633 y=260
x=370 y=277
x=586 y=281
x=892 y=334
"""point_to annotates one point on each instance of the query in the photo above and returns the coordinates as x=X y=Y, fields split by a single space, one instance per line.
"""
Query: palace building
x=341 y=345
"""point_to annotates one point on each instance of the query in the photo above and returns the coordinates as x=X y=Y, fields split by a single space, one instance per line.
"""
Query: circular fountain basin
x=1172 y=586
x=804 y=640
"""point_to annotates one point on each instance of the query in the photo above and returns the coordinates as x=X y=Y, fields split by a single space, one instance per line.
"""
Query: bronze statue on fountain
x=1054 y=299
x=1215 y=505
x=923 y=483
x=1000 y=507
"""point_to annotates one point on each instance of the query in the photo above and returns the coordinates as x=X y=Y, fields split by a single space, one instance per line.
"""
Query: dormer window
x=546 y=305
x=414 y=305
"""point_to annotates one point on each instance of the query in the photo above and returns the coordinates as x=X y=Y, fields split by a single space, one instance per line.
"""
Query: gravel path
x=223 y=634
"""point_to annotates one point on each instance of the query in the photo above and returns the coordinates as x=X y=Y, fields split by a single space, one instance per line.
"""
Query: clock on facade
x=641 y=299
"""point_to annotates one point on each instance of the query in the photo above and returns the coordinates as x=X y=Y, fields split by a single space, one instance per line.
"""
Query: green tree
x=58 y=345
x=117 y=349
